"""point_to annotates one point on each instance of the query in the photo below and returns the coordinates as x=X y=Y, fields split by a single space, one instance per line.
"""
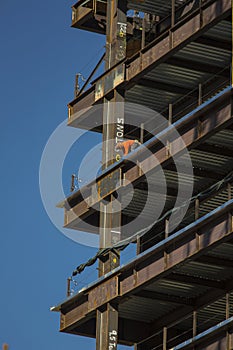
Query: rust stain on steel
x=127 y=284
x=155 y=53
x=209 y=234
x=109 y=80
x=215 y=233
x=79 y=106
x=186 y=31
x=149 y=56
x=134 y=68
x=214 y=229
x=133 y=173
x=215 y=9
x=189 y=136
x=77 y=211
x=155 y=268
x=80 y=13
x=73 y=316
x=182 y=251
x=109 y=183
x=181 y=35
x=221 y=115
x=210 y=120
x=103 y=293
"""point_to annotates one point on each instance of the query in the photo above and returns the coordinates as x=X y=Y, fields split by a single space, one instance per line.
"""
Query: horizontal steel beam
x=194 y=129
x=176 y=277
x=213 y=149
x=223 y=44
x=199 y=66
x=147 y=294
x=214 y=337
x=180 y=248
x=181 y=35
x=162 y=49
x=170 y=87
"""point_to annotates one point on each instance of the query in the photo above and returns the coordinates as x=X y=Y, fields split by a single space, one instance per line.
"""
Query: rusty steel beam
x=116 y=32
x=180 y=313
x=182 y=35
x=129 y=330
x=110 y=211
x=216 y=337
x=176 y=277
x=147 y=294
x=158 y=51
x=193 y=135
x=223 y=44
x=213 y=149
x=107 y=328
x=170 y=87
x=198 y=127
x=199 y=172
x=152 y=265
x=210 y=260
x=198 y=66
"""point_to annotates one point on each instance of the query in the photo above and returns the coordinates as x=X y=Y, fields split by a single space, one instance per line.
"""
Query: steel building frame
x=177 y=292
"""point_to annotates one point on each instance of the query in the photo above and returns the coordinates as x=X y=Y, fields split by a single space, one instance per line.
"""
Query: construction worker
x=127 y=146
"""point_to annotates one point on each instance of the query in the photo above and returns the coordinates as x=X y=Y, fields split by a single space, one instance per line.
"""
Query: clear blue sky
x=40 y=55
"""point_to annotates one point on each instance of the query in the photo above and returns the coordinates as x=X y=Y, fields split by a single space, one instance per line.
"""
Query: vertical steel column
x=170 y=113
x=110 y=212
x=227 y=305
x=173 y=13
x=194 y=323
x=68 y=292
x=143 y=32
x=200 y=94
x=229 y=191
x=173 y=6
x=197 y=209
x=107 y=320
x=110 y=225
x=164 y=338
x=142 y=133
x=115 y=32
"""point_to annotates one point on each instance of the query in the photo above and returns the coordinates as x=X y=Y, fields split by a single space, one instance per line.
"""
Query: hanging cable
x=93 y=59
x=124 y=243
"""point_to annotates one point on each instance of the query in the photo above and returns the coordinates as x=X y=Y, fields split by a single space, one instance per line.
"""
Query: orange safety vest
x=127 y=145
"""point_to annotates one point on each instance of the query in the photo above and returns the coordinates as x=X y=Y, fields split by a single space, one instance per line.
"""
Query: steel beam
x=170 y=87
x=110 y=209
x=107 y=335
x=176 y=277
x=199 y=172
x=147 y=294
x=157 y=52
x=223 y=45
x=198 y=66
x=116 y=32
x=181 y=36
x=198 y=127
x=213 y=149
x=212 y=229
